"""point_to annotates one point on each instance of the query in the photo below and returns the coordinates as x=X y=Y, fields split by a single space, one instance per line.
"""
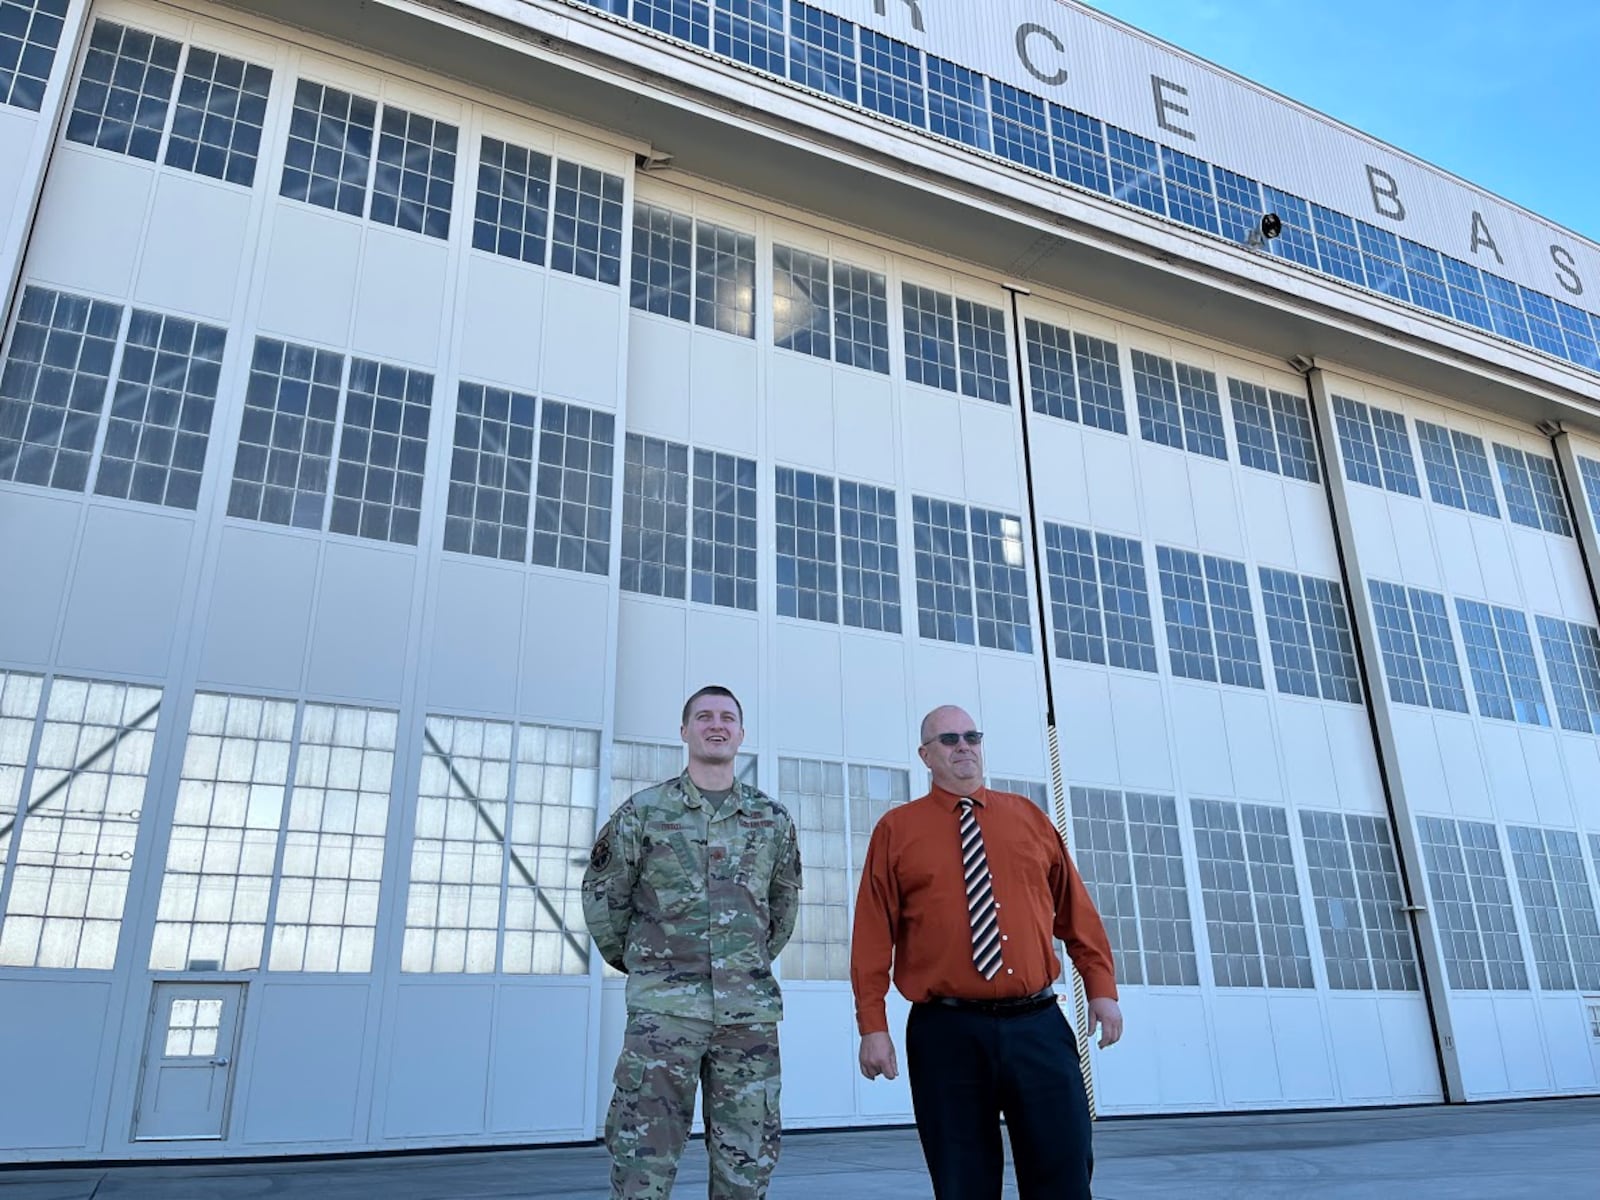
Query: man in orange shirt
x=986 y=1036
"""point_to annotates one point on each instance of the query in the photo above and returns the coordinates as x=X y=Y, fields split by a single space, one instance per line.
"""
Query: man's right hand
x=877 y=1056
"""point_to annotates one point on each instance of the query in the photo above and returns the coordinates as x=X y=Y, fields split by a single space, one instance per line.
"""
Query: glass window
x=513 y=211
x=30 y=31
x=330 y=148
x=1355 y=883
x=1533 y=490
x=981 y=342
x=870 y=556
x=1589 y=469
x=1544 y=323
x=725 y=280
x=77 y=829
x=686 y=20
x=930 y=333
x=1297 y=444
x=1252 y=425
x=860 y=318
x=586 y=230
x=1504 y=672
x=1183 y=601
x=383 y=452
x=1233 y=622
x=1099 y=383
x=655 y=517
x=1437 y=646
x=1078 y=144
x=1100 y=849
x=1289 y=633
x=1375 y=447
x=491 y=470
x=724 y=548
x=1252 y=899
x=891 y=79
x=124 y=90
x=957 y=106
x=1274 y=431
x=1178 y=405
x=1338 y=248
x=1021 y=129
x=1331 y=640
x=822 y=51
x=505 y=816
x=222 y=106
x=1188 y=188
x=1579 y=335
x=1458 y=469
x=1050 y=373
x=1505 y=309
x=1559 y=907
x=751 y=32
x=813 y=792
x=1380 y=256
x=1397 y=638
x=1028 y=788
x=1425 y=274
x=1472 y=904
x=873 y=792
x=1572 y=653
x=54 y=386
x=1000 y=582
x=800 y=311
x=1467 y=298
x=1297 y=242
x=572 y=494
x=663 y=249
x=291 y=409
x=1100 y=601
x=155 y=447
x=326 y=914
x=808 y=549
x=1135 y=170
x=221 y=854
x=943 y=564
x=1239 y=210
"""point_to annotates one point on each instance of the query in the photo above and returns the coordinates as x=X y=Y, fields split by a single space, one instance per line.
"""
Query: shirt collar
x=742 y=800
x=949 y=800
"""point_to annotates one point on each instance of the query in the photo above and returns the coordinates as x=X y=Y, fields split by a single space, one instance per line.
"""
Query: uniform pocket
x=626 y=1080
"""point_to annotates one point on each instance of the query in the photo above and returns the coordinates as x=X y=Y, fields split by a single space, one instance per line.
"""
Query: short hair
x=711 y=689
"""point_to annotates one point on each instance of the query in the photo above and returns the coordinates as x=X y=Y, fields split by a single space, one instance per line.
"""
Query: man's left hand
x=1106 y=1013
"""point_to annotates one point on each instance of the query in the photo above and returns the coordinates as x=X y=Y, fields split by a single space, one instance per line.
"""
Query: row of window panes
x=344 y=151
x=1129 y=848
x=30 y=34
x=1420 y=662
x=1376 y=449
x=1100 y=610
x=893 y=79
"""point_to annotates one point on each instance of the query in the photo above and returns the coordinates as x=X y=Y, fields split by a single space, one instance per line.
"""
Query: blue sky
x=1504 y=95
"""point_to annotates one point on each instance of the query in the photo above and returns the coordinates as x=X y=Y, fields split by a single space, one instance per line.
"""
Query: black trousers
x=967 y=1069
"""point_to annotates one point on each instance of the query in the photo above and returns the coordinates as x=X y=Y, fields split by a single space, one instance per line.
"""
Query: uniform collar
x=742 y=800
x=949 y=800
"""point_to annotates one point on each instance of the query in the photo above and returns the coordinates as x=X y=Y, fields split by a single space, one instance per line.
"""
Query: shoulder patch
x=600 y=856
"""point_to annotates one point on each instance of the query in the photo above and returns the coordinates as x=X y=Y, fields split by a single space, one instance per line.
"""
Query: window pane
x=1289 y=632
x=1100 y=383
x=512 y=217
x=1296 y=242
x=944 y=581
x=751 y=32
x=930 y=333
x=586 y=229
x=724 y=548
x=813 y=792
x=870 y=556
x=985 y=364
x=1078 y=145
x=1160 y=419
x=155 y=447
x=1188 y=189
x=124 y=91
x=655 y=517
x=491 y=473
x=1021 y=130
x=1331 y=640
x=957 y=106
x=79 y=825
x=330 y=148
x=1135 y=170
x=891 y=79
x=1074 y=594
x=686 y=20
x=572 y=496
x=663 y=249
x=800 y=313
x=1233 y=622
x=1297 y=444
x=54 y=385
x=28 y=50
x=1100 y=849
x=1183 y=600
x=1397 y=637
x=1226 y=891
x=1438 y=649
x=383 y=453
x=807 y=552
x=1252 y=425
x=1000 y=582
x=725 y=280
x=222 y=106
x=860 y=318
x=1050 y=373
x=1357 y=445
x=822 y=51
x=291 y=407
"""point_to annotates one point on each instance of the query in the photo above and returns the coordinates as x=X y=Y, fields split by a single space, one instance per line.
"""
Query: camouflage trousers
x=663 y=1059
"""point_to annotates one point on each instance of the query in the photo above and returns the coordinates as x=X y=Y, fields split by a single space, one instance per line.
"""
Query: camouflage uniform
x=694 y=905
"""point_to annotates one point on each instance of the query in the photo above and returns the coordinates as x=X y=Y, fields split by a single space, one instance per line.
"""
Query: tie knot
x=966 y=804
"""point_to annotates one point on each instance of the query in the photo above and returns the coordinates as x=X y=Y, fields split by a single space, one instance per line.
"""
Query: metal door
x=188 y=1062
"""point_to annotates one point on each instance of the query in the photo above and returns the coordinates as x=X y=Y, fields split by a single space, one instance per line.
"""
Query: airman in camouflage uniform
x=692 y=890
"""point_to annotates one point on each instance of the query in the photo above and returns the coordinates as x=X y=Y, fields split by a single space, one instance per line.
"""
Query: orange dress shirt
x=911 y=908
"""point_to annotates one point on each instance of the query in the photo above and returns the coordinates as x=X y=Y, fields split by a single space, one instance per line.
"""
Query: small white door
x=188 y=1061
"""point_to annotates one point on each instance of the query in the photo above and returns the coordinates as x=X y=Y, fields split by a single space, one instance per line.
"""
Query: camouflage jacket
x=694 y=905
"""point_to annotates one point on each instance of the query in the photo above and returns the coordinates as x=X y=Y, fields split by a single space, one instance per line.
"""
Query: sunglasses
x=972 y=737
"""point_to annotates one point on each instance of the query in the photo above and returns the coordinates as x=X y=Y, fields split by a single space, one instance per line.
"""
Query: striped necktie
x=980 y=895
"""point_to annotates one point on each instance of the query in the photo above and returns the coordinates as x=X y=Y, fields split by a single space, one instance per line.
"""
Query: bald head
x=957 y=769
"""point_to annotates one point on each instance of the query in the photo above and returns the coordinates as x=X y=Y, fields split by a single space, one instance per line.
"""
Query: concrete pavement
x=1547 y=1149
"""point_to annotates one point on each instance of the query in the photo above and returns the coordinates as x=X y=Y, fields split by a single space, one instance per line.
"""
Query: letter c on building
x=1028 y=30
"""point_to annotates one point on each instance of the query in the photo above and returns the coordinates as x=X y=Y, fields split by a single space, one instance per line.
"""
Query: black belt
x=1015 y=1006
